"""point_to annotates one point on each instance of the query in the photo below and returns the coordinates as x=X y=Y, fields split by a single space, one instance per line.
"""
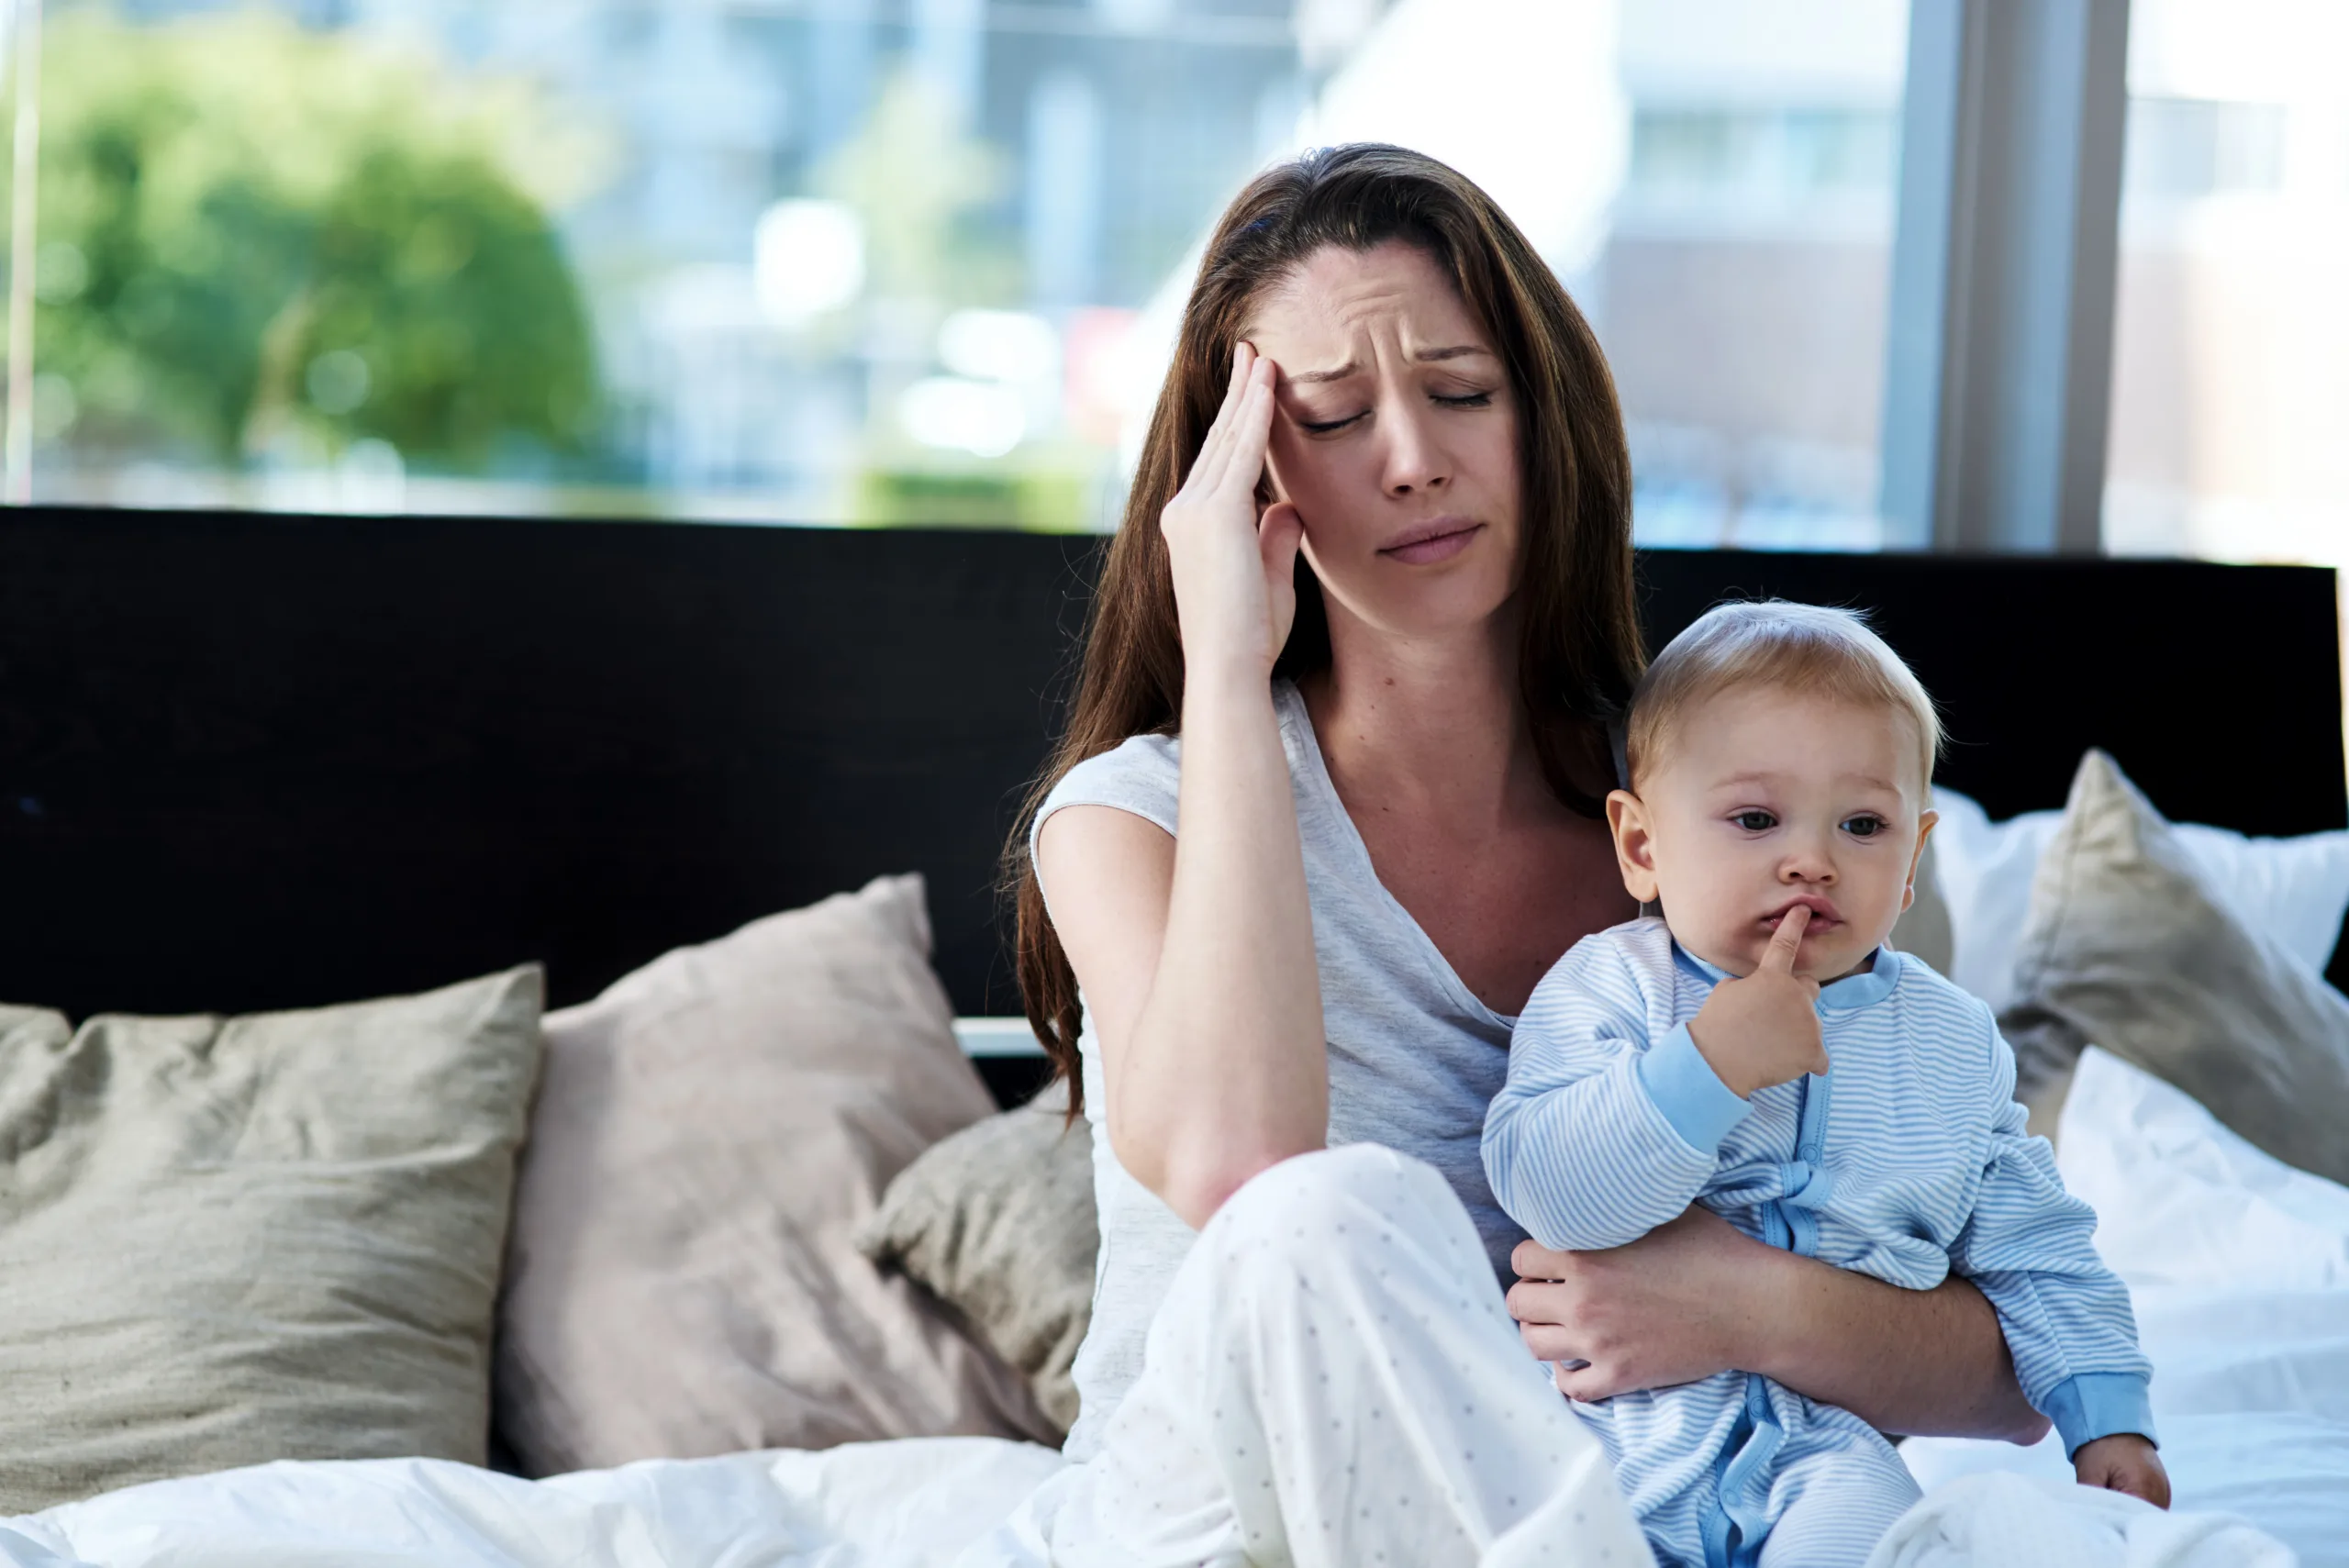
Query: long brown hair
x=1579 y=652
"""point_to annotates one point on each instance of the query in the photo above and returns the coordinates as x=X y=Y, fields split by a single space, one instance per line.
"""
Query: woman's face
x=1395 y=438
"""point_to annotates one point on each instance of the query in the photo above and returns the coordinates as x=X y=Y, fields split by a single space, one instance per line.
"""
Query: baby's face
x=1764 y=799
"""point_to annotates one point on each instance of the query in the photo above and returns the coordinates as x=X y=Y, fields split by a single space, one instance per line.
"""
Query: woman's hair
x=1579 y=650
x=1807 y=649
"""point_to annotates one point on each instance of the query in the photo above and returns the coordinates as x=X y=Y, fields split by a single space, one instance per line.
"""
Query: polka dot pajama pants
x=1333 y=1381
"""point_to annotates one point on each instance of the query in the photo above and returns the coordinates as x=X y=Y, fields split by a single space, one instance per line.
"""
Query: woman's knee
x=1316 y=1201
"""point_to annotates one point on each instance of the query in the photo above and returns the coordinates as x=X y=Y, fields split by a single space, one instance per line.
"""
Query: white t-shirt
x=1414 y=1057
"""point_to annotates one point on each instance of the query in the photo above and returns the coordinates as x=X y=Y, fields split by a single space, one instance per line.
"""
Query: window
x=1741 y=286
x=896 y=261
x=2230 y=363
x=769 y=260
x=2184 y=150
x=1780 y=155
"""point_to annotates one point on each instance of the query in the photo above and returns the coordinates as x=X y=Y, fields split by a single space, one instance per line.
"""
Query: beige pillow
x=712 y=1129
x=230 y=1241
x=997 y=1222
x=2125 y=949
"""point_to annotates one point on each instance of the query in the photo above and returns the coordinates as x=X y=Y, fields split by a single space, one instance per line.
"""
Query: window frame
x=2006 y=255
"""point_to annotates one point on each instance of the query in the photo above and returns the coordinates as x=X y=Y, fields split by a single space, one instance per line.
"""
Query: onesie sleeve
x=2027 y=1248
x=1599 y=1137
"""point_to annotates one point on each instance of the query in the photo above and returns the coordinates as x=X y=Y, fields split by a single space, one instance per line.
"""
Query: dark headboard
x=255 y=761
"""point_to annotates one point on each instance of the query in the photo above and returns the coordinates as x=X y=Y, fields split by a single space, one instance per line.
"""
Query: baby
x=1780 y=758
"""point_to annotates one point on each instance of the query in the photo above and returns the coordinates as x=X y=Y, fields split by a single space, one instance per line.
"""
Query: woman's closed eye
x=1441 y=400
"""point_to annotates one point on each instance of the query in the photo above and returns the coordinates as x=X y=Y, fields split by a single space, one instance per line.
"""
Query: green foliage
x=259 y=239
x=1037 y=498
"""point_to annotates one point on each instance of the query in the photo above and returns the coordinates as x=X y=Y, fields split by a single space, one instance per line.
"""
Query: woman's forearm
x=1209 y=1003
x=1924 y=1363
x=1225 y=1070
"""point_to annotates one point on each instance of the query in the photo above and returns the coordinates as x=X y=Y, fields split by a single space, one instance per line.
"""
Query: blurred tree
x=259 y=241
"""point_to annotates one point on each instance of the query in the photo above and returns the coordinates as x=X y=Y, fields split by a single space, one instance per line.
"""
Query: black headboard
x=256 y=762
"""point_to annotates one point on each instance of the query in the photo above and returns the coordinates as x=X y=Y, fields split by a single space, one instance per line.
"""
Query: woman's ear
x=1627 y=818
x=1917 y=856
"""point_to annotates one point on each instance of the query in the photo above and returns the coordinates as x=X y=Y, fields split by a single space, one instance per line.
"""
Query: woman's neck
x=1423 y=726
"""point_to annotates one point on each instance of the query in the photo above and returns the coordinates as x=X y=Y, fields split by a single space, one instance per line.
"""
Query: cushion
x=2127 y=947
x=997 y=1222
x=1982 y=871
x=2294 y=890
x=712 y=1129
x=1923 y=929
x=230 y=1241
x=2336 y=969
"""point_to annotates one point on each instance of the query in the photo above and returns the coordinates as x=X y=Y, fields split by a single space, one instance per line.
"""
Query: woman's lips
x=1448 y=541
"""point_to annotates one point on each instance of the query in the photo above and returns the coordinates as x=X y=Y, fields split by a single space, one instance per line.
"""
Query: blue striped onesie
x=1612 y=1123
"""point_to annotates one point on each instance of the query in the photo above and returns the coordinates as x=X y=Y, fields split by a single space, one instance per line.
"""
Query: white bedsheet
x=912 y=1504
x=2240 y=1267
x=906 y=1505
x=1997 y=1519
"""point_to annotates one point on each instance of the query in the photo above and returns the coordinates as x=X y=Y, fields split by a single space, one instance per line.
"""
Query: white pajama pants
x=1334 y=1381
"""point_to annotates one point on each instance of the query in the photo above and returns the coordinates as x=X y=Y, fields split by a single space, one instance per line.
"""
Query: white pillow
x=1985 y=872
x=2294 y=890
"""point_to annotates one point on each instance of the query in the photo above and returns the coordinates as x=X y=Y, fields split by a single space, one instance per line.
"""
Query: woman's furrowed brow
x=1424 y=356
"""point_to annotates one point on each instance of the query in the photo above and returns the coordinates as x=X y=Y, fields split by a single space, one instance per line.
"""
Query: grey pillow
x=2127 y=949
x=999 y=1223
x=230 y=1241
x=683 y=1279
x=1923 y=929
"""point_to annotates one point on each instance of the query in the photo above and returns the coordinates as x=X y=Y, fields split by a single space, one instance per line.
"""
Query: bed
x=268 y=763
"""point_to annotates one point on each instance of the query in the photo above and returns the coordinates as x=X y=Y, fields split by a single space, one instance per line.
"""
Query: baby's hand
x=2123 y=1463
x=1763 y=1029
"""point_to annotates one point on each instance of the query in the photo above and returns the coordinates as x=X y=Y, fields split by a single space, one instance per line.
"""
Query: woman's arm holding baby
x=1931 y=1363
x=1696 y=1296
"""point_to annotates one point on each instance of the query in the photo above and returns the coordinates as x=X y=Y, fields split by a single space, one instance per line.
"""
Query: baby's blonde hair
x=1808 y=649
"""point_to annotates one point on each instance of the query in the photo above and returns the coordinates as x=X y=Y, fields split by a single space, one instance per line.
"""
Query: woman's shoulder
x=1142 y=774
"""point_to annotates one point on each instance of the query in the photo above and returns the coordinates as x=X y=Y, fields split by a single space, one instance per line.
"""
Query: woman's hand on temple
x=1660 y=1311
x=1232 y=559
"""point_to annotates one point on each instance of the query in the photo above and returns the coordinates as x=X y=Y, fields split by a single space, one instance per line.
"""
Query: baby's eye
x=1755 y=822
x=1865 y=825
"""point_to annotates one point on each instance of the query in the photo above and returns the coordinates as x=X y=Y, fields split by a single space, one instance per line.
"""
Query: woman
x=1366 y=632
